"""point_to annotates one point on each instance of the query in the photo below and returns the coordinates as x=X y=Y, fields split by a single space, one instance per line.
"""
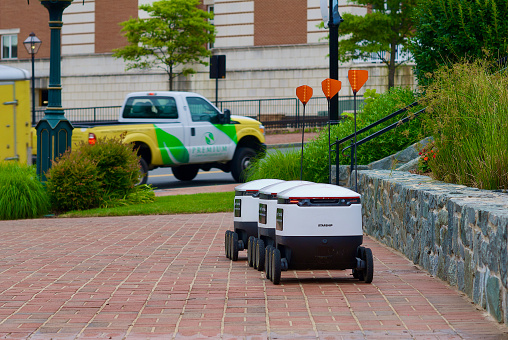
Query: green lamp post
x=54 y=131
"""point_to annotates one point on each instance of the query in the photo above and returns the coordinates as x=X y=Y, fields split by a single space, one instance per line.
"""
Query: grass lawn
x=164 y=205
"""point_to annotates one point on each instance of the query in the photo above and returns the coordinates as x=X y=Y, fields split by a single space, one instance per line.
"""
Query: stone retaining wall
x=456 y=233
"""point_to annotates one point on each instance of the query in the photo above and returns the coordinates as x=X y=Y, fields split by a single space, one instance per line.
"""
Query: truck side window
x=201 y=110
x=150 y=107
x=166 y=108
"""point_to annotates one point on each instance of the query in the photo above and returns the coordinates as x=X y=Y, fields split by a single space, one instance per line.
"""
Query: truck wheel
x=143 y=177
x=185 y=172
x=242 y=159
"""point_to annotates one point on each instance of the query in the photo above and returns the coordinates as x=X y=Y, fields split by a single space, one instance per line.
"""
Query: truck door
x=168 y=127
x=208 y=142
x=8 y=103
x=169 y=133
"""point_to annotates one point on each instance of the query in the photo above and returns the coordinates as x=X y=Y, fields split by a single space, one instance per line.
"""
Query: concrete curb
x=285 y=145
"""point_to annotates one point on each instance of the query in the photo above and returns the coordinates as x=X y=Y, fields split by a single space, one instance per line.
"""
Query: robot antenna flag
x=304 y=94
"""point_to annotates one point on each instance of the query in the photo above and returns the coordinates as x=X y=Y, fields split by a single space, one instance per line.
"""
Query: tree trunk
x=170 y=77
x=391 y=65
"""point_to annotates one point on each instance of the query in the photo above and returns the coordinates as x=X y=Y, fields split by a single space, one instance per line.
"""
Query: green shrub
x=117 y=164
x=448 y=30
x=316 y=152
x=93 y=176
x=468 y=118
x=22 y=195
x=74 y=182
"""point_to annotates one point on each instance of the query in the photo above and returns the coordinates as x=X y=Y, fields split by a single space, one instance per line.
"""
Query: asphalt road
x=162 y=178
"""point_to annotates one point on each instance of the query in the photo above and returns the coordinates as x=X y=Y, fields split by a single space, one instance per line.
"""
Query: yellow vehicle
x=181 y=130
x=15 y=118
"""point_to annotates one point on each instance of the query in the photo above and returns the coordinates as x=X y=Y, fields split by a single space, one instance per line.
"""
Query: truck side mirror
x=226 y=117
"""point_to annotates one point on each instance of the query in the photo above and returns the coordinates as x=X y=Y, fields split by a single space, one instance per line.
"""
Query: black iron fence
x=87 y=114
x=273 y=113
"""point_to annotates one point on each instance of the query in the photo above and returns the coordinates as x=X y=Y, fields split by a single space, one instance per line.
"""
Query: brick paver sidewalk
x=275 y=139
x=164 y=277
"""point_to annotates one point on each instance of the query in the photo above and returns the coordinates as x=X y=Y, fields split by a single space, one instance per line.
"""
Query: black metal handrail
x=370 y=137
x=382 y=120
x=383 y=130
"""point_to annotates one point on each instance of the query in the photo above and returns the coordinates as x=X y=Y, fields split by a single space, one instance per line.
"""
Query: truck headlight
x=262 y=128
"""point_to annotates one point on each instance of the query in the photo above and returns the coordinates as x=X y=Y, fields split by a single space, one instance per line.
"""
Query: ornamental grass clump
x=280 y=165
x=22 y=195
x=468 y=118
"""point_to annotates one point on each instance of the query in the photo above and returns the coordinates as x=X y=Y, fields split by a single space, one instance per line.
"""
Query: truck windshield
x=202 y=111
x=150 y=107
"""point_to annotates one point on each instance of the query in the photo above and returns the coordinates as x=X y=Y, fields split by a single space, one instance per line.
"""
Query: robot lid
x=271 y=191
x=252 y=187
x=318 y=192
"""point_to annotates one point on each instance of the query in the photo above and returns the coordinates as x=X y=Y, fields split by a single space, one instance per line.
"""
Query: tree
x=387 y=25
x=450 y=30
x=176 y=34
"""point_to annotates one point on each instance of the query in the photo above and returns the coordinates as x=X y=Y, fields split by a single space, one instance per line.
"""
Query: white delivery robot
x=319 y=226
x=266 y=223
x=245 y=216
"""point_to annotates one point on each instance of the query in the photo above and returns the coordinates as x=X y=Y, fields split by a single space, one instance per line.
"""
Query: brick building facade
x=272 y=46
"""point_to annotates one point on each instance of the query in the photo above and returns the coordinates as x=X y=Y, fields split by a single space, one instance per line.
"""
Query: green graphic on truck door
x=229 y=130
x=209 y=138
x=173 y=151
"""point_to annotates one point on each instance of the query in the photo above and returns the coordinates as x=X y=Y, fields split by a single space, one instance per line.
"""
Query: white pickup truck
x=181 y=130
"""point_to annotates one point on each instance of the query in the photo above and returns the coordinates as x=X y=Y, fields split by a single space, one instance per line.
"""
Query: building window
x=9 y=46
x=43 y=97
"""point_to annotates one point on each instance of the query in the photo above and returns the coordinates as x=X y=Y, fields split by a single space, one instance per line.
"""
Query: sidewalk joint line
x=195 y=274
x=313 y=322
x=348 y=304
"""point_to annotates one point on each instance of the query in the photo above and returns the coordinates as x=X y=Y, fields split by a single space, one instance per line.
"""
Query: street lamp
x=32 y=44
x=54 y=131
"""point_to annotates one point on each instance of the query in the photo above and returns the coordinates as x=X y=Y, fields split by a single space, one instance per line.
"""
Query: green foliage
x=380 y=31
x=449 y=30
x=181 y=204
x=176 y=34
x=91 y=176
x=370 y=96
x=468 y=118
x=315 y=165
x=22 y=195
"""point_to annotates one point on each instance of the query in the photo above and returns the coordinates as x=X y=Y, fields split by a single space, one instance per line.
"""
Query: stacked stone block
x=456 y=233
